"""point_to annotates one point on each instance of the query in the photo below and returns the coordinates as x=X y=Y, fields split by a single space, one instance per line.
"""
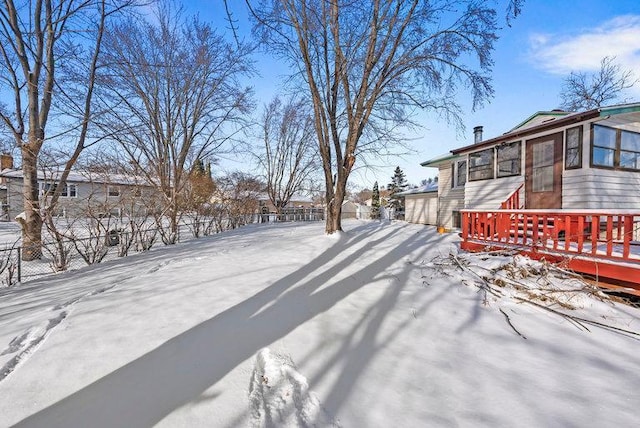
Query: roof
x=438 y=160
x=540 y=117
x=294 y=198
x=428 y=188
x=555 y=121
x=80 y=177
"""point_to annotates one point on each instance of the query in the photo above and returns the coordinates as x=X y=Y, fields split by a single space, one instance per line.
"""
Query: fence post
x=19 y=264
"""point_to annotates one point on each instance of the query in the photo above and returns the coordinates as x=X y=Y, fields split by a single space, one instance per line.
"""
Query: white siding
x=451 y=199
x=349 y=210
x=489 y=194
x=421 y=208
x=592 y=188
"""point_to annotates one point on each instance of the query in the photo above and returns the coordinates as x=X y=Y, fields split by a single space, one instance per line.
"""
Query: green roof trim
x=609 y=111
x=539 y=113
x=435 y=161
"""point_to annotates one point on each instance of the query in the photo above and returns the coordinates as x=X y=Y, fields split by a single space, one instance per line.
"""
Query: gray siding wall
x=90 y=196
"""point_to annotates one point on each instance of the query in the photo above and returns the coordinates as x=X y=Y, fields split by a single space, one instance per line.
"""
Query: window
x=458 y=173
x=603 y=146
x=573 y=148
x=542 y=166
x=69 y=191
x=509 y=159
x=615 y=148
x=48 y=188
x=461 y=173
x=629 y=150
x=481 y=165
x=113 y=191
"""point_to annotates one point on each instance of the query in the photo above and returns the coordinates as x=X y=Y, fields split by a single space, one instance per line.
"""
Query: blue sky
x=543 y=45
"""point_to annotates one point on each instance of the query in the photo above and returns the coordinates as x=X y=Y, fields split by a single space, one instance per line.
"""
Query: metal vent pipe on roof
x=477 y=134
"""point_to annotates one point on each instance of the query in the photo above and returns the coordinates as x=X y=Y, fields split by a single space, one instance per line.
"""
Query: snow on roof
x=80 y=177
x=427 y=188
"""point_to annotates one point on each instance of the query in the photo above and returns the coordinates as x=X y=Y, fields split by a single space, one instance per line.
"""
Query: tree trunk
x=334 y=206
x=333 y=219
x=32 y=222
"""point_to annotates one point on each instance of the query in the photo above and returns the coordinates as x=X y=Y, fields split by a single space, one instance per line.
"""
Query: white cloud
x=561 y=54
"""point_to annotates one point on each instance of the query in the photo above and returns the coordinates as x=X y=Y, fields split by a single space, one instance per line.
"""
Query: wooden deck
x=605 y=245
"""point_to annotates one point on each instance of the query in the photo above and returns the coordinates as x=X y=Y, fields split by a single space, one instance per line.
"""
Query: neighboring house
x=296 y=201
x=85 y=194
x=421 y=204
x=349 y=210
x=364 y=212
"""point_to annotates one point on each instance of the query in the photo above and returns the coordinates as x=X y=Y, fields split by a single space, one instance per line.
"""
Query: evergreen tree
x=375 y=202
x=398 y=184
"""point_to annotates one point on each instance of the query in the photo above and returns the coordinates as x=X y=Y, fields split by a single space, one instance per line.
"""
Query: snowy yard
x=279 y=325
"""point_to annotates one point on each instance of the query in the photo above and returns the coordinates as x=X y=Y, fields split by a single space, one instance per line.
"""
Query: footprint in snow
x=27 y=342
x=279 y=395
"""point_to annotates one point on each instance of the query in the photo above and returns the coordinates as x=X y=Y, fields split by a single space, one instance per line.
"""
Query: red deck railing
x=603 y=244
x=513 y=201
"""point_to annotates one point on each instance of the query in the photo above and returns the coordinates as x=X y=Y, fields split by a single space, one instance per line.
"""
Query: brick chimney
x=6 y=161
x=477 y=134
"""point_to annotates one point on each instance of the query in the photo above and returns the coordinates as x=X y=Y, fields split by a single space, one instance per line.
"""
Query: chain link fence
x=71 y=254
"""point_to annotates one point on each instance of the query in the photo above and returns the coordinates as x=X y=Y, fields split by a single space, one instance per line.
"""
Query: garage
x=421 y=204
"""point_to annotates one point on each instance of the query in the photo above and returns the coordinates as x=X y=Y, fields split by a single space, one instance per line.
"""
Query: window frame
x=115 y=212
x=113 y=191
x=70 y=189
x=617 y=149
x=503 y=147
x=578 y=149
x=473 y=169
x=455 y=173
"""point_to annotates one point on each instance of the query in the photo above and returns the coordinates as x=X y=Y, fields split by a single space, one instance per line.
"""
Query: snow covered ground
x=280 y=325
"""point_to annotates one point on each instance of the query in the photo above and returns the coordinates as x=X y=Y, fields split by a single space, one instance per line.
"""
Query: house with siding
x=85 y=193
x=561 y=185
x=553 y=160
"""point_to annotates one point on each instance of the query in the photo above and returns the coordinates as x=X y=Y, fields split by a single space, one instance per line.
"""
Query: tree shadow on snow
x=144 y=391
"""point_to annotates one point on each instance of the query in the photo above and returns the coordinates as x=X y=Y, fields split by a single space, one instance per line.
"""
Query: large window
x=573 y=148
x=481 y=165
x=629 y=150
x=509 y=159
x=615 y=148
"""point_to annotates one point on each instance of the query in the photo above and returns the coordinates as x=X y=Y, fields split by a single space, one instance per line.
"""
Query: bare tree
x=238 y=193
x=582 y=91
x=175 y=85
x=35 y=39
x=197 y=198
x=288 y=155
x=368 y=65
